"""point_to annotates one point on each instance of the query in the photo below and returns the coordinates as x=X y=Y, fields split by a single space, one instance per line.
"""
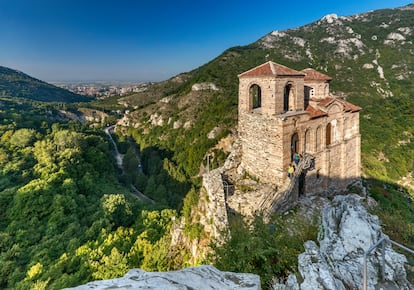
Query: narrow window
x=256 y=96
x=286 y=96
x=294 y=145
x=328 y=134
x=307 y=141
x=308 y=94
x=318 y=143
x=346 y=129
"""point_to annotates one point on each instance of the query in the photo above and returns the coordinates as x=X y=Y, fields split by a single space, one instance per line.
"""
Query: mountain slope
x=369 y=56
x=19 y=85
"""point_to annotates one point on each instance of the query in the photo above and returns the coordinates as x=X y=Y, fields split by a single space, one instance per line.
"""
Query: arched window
x=294 y=147
x=308 y=94
x=308 y=144
x=318 y=139
x=286 y=97
x=256 y=96
x=328 y=134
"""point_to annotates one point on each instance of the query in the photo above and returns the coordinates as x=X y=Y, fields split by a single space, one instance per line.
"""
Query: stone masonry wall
x=266 y=134
x=267 y=88
x=266 y=147
x=261 y=146
x=272 y=94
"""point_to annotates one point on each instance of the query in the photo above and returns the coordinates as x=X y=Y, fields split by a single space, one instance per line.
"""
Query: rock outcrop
x=346 y=233
x=202 y=277
x=204 y=86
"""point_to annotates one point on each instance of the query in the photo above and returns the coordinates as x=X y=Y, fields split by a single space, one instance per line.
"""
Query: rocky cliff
x=347 y=231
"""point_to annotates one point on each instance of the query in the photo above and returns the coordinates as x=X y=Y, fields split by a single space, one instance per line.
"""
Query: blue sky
x=142 y=40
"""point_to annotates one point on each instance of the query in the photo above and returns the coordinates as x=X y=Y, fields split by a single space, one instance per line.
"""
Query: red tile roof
x=347 y=105
x=315 y=112
x=326 y=102
x=271 y=68
x=313 y=75
x=350 y=107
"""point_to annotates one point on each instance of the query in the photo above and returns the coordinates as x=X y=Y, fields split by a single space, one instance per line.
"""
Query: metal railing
x=381 y=242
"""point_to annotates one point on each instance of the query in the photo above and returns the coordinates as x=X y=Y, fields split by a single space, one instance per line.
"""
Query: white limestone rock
x=368 y=66
x=156 y=119
x=166 y=100
x=201 y=278
x=177 y=124
x=330 y=18
x=214 y=133
x=187 y=125
x=346 y=233
x=315 y=270
x=395 y=36
x=204 y=86
x=291 y=284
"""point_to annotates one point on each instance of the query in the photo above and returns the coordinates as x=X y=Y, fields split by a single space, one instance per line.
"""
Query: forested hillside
x=15 y=84
x=67 y=215
x=65 y=218
x=369 y=56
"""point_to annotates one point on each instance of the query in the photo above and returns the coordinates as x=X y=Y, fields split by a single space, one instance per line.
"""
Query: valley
x=90 y=188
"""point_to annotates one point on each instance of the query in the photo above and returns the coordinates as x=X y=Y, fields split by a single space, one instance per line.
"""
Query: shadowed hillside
x=16 y=84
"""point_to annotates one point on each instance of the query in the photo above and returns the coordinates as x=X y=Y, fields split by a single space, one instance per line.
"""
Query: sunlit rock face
x=346 y=233
x=201 y=278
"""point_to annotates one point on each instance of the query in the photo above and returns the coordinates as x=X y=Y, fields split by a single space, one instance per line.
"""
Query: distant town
x=103 y=89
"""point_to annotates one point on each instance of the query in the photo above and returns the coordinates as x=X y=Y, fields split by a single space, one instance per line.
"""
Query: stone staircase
x=284 y=199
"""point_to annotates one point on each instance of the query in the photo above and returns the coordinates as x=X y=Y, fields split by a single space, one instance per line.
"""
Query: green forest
x=67 y=214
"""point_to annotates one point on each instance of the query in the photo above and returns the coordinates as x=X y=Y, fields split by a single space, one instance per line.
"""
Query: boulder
x=201 y=278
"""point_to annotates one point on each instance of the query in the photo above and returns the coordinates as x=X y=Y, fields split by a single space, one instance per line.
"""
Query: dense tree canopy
x=65 y=218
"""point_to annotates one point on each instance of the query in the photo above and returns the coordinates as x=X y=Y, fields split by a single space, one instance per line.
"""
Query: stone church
x=283 y=111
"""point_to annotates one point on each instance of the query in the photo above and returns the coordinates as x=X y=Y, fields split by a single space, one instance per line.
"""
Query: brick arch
x=255 y=96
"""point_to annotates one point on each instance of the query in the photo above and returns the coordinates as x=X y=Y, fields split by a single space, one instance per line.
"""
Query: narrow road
x=119 y=161
x=140 y=195
x=118 y=156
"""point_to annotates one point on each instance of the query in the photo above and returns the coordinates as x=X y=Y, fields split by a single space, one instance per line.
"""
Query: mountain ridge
x=368 y=55
x=17 y=84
